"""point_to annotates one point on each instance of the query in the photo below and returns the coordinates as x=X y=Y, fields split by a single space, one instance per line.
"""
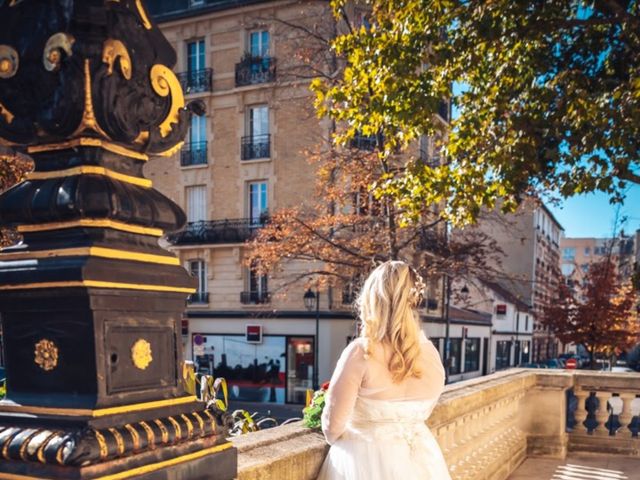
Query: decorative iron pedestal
x=90 y=304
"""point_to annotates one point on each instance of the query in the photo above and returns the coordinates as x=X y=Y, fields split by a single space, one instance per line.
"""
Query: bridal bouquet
x=315 y=404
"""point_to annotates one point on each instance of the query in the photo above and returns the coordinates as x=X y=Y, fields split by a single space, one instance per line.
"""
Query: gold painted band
x=88 y=142
x=92 y=252
x=91 y=223
x=92 y=170
x=102 y=412
x=98 y=284
x=139 y=470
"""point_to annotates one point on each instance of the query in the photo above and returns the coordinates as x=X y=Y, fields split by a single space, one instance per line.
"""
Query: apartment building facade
x=243 y=159
x=579 y=253
x=530 y=241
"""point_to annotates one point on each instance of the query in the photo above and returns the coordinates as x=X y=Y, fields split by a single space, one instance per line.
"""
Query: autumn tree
x=548 y=96
x=601 y=314
x=346 y=226
x=344 y=229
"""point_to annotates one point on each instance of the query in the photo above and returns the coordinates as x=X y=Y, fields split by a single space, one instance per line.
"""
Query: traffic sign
x=571 y=363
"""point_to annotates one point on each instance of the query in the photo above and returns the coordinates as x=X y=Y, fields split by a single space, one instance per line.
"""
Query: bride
x=384 y=387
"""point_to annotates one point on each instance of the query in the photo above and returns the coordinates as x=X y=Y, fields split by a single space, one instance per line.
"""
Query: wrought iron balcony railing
x=254 y=70
x=196 y=81
x=193 y=154
x=255 y=146
x=254 y=298
x=363 y=142
x=198 y=297
x=217 y=231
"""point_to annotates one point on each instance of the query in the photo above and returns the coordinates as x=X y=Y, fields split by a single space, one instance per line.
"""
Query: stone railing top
x=293 y=447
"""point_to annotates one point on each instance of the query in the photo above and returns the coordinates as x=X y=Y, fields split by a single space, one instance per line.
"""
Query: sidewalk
x=579 y=466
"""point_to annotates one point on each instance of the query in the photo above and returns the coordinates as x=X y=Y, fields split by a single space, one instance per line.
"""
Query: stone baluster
x=581 y=411
x=602 y=414
x=626 y=415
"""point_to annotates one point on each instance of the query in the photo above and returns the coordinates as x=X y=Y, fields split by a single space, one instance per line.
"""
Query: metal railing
x=249 y=298
x=254 y=70
x=255 y=146
x=193 y=154
x=196 y=81
x=363 y=142
x=218 y=231
x=198 y=297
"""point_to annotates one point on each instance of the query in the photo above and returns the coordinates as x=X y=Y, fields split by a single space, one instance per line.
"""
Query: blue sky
x=593 y=216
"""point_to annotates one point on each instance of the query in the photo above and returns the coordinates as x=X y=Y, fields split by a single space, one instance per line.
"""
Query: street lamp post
x=311 y=298
x=447 y=339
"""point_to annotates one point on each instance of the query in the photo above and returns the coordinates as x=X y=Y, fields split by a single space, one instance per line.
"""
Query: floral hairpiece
x=416 y=294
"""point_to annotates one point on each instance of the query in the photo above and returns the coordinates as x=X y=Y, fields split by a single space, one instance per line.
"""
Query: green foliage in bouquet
x=313 y=411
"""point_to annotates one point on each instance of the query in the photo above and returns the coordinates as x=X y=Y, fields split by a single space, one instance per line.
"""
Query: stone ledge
x=290 y=452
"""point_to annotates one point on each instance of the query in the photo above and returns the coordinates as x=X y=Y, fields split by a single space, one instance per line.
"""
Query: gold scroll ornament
x=46 y=354
x=141 y=354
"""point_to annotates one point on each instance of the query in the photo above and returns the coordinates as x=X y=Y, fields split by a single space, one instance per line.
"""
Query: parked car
x=529 y=365
x=555 y=363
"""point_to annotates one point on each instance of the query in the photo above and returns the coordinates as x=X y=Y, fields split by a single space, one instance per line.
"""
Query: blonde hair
x=387 y=306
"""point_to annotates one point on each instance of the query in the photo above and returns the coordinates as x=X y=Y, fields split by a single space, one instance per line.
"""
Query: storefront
x=279 y=366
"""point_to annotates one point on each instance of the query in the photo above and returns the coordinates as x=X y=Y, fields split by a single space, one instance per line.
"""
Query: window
x=278 y=370
x=526 y=322
x=257 y=202
x=362 y=18
x=259 y=44
x=472 y=354
x=503 y=354
x=569 y=253
x=256 y=142
x=526 y=347
x=195 y=56
x=258 y=121
x=257 y=288
x=364 y=203
x=196 y=203
x=195 y=150
x=454 y=355
x=587 y=251
x=198 y=130
x=198 y=270
x=567 y=269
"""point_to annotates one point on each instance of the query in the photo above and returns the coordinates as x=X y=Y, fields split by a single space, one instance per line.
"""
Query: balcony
x=254 y=298
x=196 y=81
x=516 y=424
x=217 y=231
x=255 y=146
x=193 y=154
x=255 y=70
x=363 y=142
x=198 y=298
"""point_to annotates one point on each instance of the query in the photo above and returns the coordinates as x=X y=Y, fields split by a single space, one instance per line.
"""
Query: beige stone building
x=244 y=159
x=530 y=241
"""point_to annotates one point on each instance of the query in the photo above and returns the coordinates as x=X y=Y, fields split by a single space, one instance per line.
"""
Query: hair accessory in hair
x=416 y=294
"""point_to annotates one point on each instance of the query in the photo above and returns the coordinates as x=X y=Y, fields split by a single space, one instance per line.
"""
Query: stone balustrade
x=486 y=426
x=604 y=413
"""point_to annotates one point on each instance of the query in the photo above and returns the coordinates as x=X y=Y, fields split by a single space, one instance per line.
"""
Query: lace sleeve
x=343 y=391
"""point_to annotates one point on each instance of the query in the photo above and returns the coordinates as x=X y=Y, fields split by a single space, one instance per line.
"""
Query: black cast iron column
x=90 y=304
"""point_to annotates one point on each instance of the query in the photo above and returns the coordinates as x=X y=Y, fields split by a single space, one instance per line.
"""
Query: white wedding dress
x=376 y=428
